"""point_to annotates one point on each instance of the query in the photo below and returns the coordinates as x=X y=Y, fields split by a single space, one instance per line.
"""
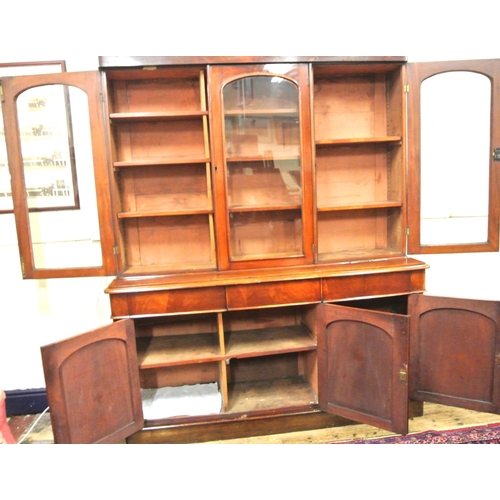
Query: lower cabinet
x=222 y=374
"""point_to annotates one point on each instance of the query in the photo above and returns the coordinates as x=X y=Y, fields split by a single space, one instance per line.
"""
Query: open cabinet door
x=362 y=366
x=455 y=352
x=93 y=386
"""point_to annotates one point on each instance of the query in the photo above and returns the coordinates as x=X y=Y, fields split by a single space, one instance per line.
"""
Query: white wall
x=38 y=312
x=33 y=313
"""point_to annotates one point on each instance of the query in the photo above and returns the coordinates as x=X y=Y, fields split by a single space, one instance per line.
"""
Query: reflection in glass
x=60 y=238
x=263 y=165
x=9 y=69
x=455 y=134
x=47 y=147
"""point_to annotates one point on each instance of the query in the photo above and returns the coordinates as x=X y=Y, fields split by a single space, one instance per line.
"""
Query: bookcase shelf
x=155 y=116
x=361 y=140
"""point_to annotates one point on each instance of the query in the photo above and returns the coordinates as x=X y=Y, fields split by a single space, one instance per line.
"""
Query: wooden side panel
x=93 y=386
x=362 y=366
x=455 y=352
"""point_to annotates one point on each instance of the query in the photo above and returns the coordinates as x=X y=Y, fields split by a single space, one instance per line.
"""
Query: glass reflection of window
x=18 y=69
x=61 y=238
x=455 y=132
x=47 y=147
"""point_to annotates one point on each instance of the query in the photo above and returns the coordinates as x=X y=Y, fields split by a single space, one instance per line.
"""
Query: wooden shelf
x=362 y=206
x=260 y=158
x=156 y=352
x=358 y=255
x=159 y=269
x=173 y=160
x=156 y=116
x=262 y=112
x=290 y=392
x=263 y=256
x=170 y=213
x=363 y=140
x=252 y=343
x=270 y=208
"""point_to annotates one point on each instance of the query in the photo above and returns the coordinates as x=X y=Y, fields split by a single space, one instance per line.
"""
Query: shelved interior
x=263 y=168
x=160 y=135
x=259 y=359
x=266 y=234
x=358 y=128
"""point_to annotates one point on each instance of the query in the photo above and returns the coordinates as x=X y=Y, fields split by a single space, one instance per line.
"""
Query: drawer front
x=373 y=285
x=169 y=302
x=273 y=294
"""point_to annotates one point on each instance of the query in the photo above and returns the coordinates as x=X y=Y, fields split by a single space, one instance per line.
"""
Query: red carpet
x=485 y=434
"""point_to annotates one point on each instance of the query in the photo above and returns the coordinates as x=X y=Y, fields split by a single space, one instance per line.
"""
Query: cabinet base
x=200 y=432
x=246 y=426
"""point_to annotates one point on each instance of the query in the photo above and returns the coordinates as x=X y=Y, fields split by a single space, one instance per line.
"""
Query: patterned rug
x=485 y=434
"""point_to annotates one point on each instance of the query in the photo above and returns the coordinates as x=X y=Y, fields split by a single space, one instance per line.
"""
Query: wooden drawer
x=191 y=300
x=373 y=285
x=273 y=294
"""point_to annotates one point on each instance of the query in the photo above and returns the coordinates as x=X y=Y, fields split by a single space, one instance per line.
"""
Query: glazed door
x=362 y=366
x=57 y=151
x=93 y=386
x=454 y=156
x=455 y=352
x=262 y=147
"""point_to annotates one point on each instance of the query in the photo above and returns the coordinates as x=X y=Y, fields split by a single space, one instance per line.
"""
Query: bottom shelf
x=187 y=400
x=359 y=255
x=244 y=397
x=276 y=394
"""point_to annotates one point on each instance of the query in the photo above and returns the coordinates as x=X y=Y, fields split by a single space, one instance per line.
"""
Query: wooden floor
x=436 y=417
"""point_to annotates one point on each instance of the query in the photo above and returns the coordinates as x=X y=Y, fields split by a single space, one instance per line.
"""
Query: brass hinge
x=407 y=231
x=23 y=268
x=101 y=95
x=407 y=88
x=497 y=359
x=403 y=375
x=1 y=92
x=115 y=250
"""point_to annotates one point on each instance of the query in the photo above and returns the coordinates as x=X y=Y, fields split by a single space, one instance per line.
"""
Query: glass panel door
x=58 y=237
x=455 y=143
x=267 y=165
x=264 y=179
x=453 y=198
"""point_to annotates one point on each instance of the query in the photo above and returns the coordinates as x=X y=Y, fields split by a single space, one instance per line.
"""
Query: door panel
x=362 y=360
x=455 y=352
x=93 y=386
x=52 y=121
x=260 y=116
x=453 y=137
